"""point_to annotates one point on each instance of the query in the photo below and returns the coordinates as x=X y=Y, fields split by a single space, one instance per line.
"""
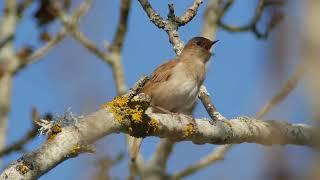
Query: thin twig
x=288 y=87
x=216 y=155
x=19 y=145
x=42 y=51
x=252 y=25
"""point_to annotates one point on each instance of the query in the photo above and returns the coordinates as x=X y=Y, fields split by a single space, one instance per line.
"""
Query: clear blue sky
x=241 y=78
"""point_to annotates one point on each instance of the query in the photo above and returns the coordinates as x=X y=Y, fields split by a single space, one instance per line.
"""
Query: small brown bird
x=174 y=85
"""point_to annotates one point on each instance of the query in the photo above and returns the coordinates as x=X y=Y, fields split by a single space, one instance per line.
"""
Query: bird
x=174 y=86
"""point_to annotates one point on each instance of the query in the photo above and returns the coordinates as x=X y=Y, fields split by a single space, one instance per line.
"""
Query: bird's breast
x=179 y=93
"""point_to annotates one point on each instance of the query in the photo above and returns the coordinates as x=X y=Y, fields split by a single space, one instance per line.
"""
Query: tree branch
x=172 y=24
x=41 y=52
x=69 y=141
x=285 y=90
x=18 y=145
x=252 y=25
x=7 y=60
x=216 y=155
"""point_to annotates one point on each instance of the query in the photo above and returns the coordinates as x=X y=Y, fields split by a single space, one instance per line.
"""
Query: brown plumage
x=174 y=85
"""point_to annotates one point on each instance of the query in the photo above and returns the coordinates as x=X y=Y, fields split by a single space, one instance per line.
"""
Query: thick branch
x=69 y=141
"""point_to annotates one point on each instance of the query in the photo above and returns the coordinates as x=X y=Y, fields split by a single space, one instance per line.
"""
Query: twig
x=122 y=28
x=208 y=104
x=252 y=25
x=284 y=92
x=5 y=40
x=42 y=51
x=216 y=155
x=161 y=154
x=172 y=24
x=18 y=145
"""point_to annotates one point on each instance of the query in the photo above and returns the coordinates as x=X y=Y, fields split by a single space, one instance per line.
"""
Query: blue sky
x=241 y=78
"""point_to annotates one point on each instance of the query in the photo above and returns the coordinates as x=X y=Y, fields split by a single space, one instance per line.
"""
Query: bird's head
x=198 y=48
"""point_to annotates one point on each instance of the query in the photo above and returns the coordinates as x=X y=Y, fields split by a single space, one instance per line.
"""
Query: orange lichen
x=23 y=168
x=55 y=129
x=189 y=130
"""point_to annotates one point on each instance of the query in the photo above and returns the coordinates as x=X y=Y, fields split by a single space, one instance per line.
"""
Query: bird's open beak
x=208 y=46
x=214 y=42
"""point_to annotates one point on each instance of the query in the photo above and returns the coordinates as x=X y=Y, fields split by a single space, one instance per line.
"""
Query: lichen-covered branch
x=69 y=141
x=208 y=105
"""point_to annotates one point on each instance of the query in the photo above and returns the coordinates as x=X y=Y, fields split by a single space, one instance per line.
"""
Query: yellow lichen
x=75 y=150
x=153 y=124
x=136 y=113
x=189 y=130
x=80 y=148
x=229 y=124
x=55 y=129
x=120 y=108
x=23 y=168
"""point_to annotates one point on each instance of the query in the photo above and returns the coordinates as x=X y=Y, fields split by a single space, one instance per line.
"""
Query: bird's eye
x=198 y=43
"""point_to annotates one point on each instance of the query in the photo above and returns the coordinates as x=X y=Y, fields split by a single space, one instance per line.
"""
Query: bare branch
x=154 y=17
x=252 y=25
x=172 y=24
x=42 y=51
x=288 y=87
x=78 y=35
x=117 y=42
x=216 y=155
x=18 y=145
x=210 y=18
x=7 y=60
x=5 y=40
x=161 y=155
x=190 y=13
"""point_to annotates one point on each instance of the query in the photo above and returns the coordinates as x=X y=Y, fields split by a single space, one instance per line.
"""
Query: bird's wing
x=161 y=74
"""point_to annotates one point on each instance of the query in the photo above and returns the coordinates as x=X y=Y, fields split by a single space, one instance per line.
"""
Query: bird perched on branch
x=174 y=85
